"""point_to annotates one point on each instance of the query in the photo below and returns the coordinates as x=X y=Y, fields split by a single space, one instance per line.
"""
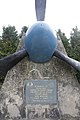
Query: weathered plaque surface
x=40 y=92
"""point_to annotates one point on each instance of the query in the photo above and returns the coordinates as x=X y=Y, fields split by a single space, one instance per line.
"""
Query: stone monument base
x=12 y=105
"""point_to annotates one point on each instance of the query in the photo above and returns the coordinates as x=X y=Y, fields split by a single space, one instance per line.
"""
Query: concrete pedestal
x=12 y=106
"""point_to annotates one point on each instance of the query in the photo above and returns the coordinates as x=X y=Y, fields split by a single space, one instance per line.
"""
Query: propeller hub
x=40 y=42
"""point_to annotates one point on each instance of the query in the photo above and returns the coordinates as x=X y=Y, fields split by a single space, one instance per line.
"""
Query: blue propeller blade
x=74 y=63
x=40 y=6
x=8 y=62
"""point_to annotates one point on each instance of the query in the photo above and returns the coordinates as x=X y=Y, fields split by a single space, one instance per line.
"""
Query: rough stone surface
x=12 y=106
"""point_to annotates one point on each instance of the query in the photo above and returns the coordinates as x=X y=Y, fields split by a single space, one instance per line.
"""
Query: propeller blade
x=8 y=62
x=74 y=63
x=40 y=6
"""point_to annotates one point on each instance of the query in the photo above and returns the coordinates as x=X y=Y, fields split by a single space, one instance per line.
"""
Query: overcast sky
x=63 y=14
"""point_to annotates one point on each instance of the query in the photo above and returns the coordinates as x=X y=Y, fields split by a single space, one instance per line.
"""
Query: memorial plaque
x=40 y=92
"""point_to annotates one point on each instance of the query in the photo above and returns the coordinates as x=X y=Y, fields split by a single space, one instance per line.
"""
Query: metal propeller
x=8 y=62
x=40 y=6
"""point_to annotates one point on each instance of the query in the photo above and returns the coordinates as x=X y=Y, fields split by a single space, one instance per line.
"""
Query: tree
x=65 y=41
x=72 y=45
x=75 y=47
x=9 y=33
x=75 y=43
x=8 y=43
x=10 y=40
x=24 y=30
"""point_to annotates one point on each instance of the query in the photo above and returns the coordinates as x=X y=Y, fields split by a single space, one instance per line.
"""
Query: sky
x=63 y=14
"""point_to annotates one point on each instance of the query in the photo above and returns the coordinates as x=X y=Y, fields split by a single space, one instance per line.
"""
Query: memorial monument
x=42 y=86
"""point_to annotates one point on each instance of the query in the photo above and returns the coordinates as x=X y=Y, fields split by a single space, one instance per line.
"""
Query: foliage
x=9 y=33
x=75 y=47
x=24 y=30
x=65 y=41
x=72 y=45
x=75 y=43
x=8 y=42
